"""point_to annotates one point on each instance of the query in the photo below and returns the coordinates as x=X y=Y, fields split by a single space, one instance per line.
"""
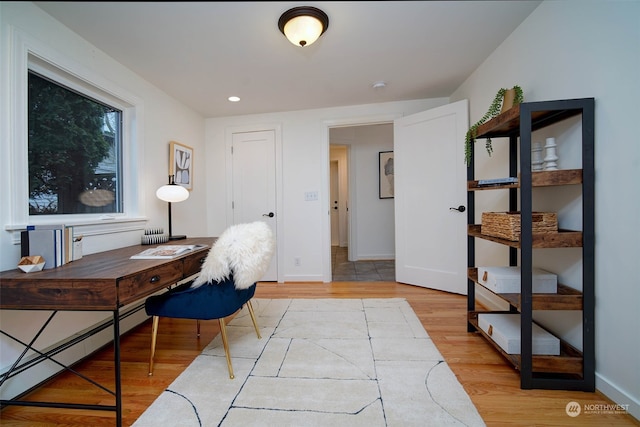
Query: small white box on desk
x=504 y=330
x=77 y=250
x=506 y=280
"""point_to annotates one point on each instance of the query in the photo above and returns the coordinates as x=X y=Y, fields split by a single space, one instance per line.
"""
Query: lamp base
x=177 y=237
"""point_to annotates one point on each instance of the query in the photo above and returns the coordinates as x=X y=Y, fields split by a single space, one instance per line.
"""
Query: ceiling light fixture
x=303 y=25
x=234 y=98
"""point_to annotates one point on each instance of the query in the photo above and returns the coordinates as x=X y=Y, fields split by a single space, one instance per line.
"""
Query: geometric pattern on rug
x=320 y=362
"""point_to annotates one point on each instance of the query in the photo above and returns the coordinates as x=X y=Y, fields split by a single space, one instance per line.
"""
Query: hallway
x=344 y=270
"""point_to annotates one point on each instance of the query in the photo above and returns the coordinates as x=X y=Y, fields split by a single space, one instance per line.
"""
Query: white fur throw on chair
x=244 y=250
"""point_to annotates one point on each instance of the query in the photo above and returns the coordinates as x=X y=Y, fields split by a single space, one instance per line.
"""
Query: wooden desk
x=105 y=281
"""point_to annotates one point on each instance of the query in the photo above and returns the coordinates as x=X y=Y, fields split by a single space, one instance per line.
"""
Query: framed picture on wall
x=181 y=164
x=385 y=174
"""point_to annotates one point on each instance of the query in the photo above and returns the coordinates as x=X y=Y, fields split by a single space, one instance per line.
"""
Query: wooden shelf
x=561 y=239
x=566 y=299
x=508 y=123
x=569 y=362
x=572 y=370
x=559 y=177
x=538 y=179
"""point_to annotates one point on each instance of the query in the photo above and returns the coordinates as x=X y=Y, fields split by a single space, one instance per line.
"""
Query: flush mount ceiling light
x=303 y=25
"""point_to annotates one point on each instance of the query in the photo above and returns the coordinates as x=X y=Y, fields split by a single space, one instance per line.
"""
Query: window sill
x=76 y=222
x=90 y=227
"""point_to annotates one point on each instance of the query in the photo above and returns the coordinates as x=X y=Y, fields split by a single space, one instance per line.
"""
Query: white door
x=254 y=183
x=430 y=179
x=334 y=203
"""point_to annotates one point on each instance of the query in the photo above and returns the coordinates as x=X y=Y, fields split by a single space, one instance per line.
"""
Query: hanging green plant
x=494 y=109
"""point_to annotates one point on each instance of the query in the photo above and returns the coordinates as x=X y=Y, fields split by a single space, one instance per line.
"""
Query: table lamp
x=172 y=193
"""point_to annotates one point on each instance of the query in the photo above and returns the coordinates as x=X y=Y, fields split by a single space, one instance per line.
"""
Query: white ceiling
x=203 y=52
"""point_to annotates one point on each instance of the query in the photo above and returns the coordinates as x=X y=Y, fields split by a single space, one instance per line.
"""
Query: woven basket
x=506 y=225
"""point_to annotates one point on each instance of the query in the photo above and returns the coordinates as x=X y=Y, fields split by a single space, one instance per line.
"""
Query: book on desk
x=55 y=243
x=166 y=251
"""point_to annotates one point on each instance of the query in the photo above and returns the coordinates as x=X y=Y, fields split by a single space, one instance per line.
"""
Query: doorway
x=361 y=223
x=343 y=270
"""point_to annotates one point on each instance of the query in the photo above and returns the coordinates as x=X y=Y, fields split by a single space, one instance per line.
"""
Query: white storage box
x=504 y=329
x=506 y=280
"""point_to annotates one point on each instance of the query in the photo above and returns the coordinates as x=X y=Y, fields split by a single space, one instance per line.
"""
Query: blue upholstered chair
x=215 y=301
x=227 y=282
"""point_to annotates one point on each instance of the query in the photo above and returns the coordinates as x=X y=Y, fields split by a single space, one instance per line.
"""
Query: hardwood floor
x=492 y=384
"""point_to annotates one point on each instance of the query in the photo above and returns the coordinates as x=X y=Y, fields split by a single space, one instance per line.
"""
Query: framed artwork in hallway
x=385 y=174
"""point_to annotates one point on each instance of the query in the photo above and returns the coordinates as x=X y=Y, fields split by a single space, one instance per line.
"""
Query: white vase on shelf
x=551 y=158
x=537 y=161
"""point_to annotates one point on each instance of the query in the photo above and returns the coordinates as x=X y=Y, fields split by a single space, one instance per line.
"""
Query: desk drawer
x=147 y=282
x=193 y=263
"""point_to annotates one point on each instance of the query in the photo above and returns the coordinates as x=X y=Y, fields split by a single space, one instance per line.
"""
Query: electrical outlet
x=297 y=262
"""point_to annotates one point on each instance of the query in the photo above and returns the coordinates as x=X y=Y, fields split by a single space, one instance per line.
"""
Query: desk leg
x=17 y=368
x=116 y=356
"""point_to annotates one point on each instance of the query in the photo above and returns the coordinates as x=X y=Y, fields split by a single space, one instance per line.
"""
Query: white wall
x=575 y=49
x=163 y=119
x=305 y=159
x=372 y=218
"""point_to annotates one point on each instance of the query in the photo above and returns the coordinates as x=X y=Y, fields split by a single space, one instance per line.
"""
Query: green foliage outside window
x=73 y=146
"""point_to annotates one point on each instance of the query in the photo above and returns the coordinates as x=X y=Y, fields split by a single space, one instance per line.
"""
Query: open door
x=430 y=198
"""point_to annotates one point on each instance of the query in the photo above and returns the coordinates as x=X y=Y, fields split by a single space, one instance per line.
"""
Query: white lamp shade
x=172 y=193
x=303 y=30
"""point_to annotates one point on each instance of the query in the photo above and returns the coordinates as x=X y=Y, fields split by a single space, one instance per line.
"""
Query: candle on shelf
x=537 y=160
x=551 y=158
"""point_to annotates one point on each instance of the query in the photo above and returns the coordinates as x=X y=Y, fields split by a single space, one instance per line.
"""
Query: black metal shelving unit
x=573 y=369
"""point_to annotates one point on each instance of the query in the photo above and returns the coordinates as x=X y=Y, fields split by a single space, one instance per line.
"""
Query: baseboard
x=303 y=278
x=377 y=257
x=626 y=402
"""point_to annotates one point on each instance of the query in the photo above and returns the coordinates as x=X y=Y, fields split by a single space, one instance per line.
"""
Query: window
x=74 y=151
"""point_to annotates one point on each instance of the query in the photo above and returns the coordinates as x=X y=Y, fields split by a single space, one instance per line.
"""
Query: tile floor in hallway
x=344 y=270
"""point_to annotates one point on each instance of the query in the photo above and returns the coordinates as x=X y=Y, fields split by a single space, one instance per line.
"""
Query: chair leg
x=225 y=343
x=198 y=327
x=253 y=319
x=154 y=335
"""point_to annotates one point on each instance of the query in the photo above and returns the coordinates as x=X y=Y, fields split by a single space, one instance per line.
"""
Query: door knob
x=270 y=214
x=459 y=209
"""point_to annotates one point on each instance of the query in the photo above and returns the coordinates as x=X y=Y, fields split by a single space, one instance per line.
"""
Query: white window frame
x=28 y=53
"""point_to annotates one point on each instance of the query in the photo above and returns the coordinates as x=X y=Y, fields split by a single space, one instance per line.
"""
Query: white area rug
x=320 y=362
